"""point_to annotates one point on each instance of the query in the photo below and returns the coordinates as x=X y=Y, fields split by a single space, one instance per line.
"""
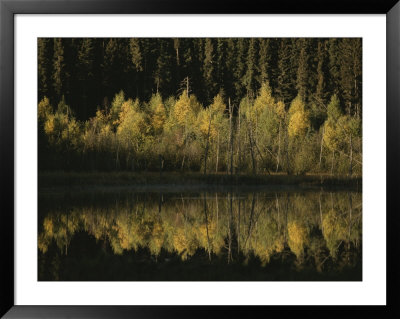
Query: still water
x=233 y=235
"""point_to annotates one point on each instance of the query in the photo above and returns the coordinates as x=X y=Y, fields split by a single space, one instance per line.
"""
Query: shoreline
x=178 y=182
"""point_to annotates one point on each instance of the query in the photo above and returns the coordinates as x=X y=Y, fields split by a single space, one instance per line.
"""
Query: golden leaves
x=298 y=237
x=298 y=118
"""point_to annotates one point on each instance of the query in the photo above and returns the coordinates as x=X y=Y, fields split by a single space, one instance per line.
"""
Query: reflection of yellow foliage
x=181 y=242
x=44 y=109
x=43 y=242
x=297 y=237
x=183 y=234
x=48 y=227
x=264 y=252
x=49 y=125
x=156 y=239
x=334 y=230
x=279 y=245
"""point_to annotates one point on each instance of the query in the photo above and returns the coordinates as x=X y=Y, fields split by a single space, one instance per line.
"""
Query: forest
x=209 y=105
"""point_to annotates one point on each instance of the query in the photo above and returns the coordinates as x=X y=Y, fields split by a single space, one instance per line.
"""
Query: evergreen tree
x=264 y=57
x=209 y=69
x=302 y=70
x=350 y=73
x=321 y=88
x=249 y=78
x=45 y=55
x=284 y=88
x=59 y=68
x=241 y=52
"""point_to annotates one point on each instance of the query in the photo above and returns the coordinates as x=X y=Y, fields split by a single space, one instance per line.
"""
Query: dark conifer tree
x=59 y=68
x=302 y=79
x=264 y=58
x=284 y=87
x=249 y=78
x=241 y=54
x=209 y=69
x=45 y=56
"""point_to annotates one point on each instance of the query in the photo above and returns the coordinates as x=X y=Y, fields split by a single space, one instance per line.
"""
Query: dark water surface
x=232 y=235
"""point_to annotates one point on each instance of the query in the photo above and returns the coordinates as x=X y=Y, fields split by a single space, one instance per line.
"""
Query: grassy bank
x=152 y=180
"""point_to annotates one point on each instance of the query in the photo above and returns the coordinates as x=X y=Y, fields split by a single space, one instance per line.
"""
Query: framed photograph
x=160 y=155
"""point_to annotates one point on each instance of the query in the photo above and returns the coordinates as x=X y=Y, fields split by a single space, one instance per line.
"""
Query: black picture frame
x=9 y=8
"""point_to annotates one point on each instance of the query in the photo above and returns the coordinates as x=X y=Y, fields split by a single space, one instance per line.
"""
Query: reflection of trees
x=314 y=227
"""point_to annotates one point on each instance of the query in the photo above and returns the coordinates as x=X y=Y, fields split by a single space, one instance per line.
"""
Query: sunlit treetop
x=299 y=121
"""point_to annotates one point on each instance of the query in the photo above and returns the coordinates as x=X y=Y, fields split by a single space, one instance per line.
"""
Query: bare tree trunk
x=279 y=148
x=320 y=211
x=287 y=151
x=160 y=163
x=66 y=242
x=229 y=231
x=177 y=55
x=322 y=144
x=350 y=215
x=252 y=151
x=216 y=164
x=230 y=135
x=206 y=151
x=184 y=151
x=253 y=202
x=208 y=237
x=351 y=156
x=262 y=158
x=160 y=200
x=117 y=159
x=183 y=162
x=216 y=202
x=278 y=210
x=238 y=228
x=239 y=155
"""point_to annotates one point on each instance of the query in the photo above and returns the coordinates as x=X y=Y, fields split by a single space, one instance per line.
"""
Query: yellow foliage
x=49 y=125
x=48 y=227
x=157 y=238
x=44 y=108
x=218 y=105
x=331 y=139
x=43 y=243
x=186 y=109
x=264 y=100
x=280 y=109
x=334 y=229
x=182 y=109
x=298 y=237
x=299 y=119
x=180 y=242
x=204 y=123
x=132 y=128
x=159 y=117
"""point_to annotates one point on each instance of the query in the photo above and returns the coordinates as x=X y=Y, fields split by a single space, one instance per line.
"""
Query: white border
x=372 y=290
